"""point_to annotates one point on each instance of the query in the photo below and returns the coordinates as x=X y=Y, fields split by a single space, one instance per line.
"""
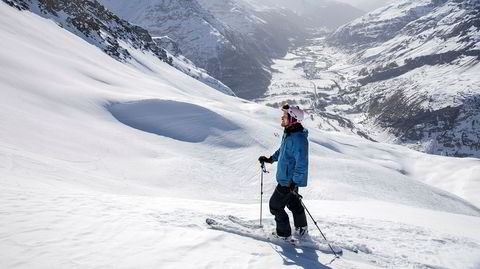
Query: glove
x=293 y=188
x=263 y=159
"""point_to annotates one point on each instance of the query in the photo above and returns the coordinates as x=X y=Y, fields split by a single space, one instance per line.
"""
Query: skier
x=292 y=172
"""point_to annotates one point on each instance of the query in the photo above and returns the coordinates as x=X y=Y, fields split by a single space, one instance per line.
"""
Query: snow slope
x=107 y=164
x=101 y=28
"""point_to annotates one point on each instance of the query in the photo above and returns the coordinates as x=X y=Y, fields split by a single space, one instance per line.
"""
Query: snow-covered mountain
x=271 y=30
x=234 y=40
x=418 y=69
x=108 y=163
x=227 y=55
x=91 y=21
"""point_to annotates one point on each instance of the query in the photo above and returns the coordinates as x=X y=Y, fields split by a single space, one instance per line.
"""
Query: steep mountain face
x=95 y=24
x=417 y=64
x=229 y=56
x=269 y=32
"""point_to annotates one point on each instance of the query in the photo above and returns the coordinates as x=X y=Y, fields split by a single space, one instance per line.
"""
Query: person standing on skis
x=292 y=172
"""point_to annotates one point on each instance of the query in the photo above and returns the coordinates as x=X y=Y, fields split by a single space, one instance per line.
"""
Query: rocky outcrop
x=451 y=131
x=96 y=25
x=168 y=44
x=392 y=70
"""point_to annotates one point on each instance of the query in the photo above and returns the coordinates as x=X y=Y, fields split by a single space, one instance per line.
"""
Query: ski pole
x=262 y=167
x=261 y=193
x=301 y=201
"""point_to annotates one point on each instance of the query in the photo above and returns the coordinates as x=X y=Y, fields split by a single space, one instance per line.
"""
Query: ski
x=239 y=227
x=257 y=234
x=244 y=223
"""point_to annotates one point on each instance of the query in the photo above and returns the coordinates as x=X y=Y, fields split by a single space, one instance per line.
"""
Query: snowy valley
x=406 y=74
x=114 y=151
x=234 y=40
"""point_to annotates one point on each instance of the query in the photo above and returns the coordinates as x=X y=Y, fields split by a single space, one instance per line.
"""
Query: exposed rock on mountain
x=91 y=21
x=168 y=44
x=418 y=68
x=228 y=56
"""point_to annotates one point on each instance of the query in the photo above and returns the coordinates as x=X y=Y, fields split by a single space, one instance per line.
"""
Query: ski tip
x=233 y=218
x=210 y=221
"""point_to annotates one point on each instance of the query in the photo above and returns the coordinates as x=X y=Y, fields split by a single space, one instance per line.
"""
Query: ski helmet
x=294 y=112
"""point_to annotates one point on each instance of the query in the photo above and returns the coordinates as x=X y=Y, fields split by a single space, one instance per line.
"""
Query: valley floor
x=324 y=80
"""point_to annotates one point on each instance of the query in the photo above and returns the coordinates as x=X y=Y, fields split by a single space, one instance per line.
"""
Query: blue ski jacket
x=292 y=157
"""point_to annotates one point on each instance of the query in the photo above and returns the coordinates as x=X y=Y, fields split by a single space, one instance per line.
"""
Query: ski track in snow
x=85 y=230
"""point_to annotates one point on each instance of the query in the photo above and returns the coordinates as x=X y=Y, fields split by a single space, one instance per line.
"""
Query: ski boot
x=301 y=232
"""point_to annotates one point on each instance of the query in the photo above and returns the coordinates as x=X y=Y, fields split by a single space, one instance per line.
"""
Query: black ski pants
x=282 y=197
